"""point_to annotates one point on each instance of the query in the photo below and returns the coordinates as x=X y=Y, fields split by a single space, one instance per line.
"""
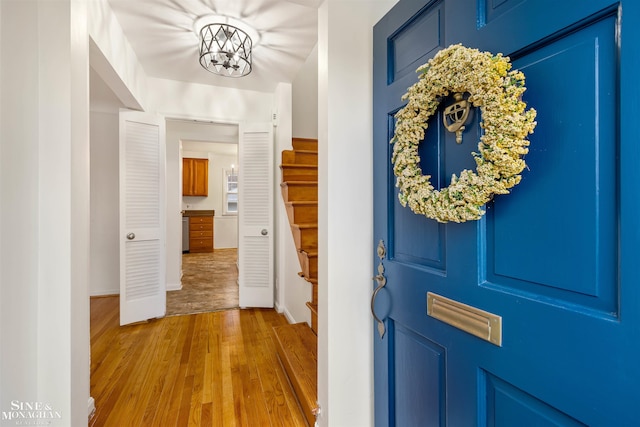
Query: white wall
x=292 y=291
x=2 y=207
x=44 y=183
x=113 y=58
x=305 y=98
x=105 y=202
x=120 y=79
x=19 y=242
x=345 y=346
x=211 y=103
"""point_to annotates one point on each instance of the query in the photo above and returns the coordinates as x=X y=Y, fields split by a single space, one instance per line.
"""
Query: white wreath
x=505 y=123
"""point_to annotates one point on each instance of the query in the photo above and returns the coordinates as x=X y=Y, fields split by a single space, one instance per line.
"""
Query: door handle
x=131 y=236
x=382 y=281
x=264 y=232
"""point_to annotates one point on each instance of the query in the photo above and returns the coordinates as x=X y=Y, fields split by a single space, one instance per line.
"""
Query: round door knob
x=131 y=236
x=264 y=232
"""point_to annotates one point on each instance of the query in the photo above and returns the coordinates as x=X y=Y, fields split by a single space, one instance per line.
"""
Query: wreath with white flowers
x=494 y=88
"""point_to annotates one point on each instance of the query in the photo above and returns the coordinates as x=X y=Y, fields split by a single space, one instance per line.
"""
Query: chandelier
x=225 y=50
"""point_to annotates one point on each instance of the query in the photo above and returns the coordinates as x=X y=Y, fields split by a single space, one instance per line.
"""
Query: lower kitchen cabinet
x=201 y=234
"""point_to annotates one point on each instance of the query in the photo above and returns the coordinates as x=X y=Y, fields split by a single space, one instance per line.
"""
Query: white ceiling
x=161 y=32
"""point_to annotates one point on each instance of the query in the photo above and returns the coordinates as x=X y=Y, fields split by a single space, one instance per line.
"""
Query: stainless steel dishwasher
x=185 y=234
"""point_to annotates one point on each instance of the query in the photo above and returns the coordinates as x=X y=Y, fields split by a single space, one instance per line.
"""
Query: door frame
x=178 y=196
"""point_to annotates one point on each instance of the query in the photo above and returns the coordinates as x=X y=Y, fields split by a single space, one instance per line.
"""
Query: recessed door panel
x=419 y=379
x=508 y=406
x=565 y=209
x=488 y=10
x=405 y=53
x=413 y=243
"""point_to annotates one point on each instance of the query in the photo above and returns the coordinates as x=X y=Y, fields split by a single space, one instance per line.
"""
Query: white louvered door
x=255 y=216
x=142 y=218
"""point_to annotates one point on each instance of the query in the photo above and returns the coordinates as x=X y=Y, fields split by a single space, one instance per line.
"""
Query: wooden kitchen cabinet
x=195 y=177
x=201 y=234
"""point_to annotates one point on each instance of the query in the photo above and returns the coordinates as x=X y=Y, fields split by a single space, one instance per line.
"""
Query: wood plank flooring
x=208 y=369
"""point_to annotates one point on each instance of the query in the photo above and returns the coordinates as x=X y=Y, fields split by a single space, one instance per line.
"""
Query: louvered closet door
x=142 y=220
x=255 y=216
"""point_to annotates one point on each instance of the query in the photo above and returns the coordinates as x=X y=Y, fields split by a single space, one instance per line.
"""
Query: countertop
x=199 y=213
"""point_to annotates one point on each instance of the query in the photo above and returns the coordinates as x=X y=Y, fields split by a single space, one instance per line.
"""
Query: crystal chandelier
x=225 y=50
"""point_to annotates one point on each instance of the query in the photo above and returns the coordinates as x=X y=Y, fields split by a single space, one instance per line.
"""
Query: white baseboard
x=278 y=307
x=174 y=286
x=288 y=315
x=92 y=406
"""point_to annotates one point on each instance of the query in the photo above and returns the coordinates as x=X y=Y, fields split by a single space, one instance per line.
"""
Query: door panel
x=255 y=216
x=508 y=406
x=412 y=241
x=142 y=217
x=418 y=387
x=578 y=257
x=555 y=258
x=414 y=41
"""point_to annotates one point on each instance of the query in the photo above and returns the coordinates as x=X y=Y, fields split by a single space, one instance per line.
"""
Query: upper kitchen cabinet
x=195 y=177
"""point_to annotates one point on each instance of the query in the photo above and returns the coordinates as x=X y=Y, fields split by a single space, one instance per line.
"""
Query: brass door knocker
x=456 y=115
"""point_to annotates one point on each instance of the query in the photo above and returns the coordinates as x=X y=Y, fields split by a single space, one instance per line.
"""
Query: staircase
x=298 y=343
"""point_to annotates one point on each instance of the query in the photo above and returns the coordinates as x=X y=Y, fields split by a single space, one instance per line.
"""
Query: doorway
x=104 y=187
x=207 y=280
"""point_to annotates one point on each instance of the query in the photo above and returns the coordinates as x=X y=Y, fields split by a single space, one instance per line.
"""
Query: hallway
x=209 y=369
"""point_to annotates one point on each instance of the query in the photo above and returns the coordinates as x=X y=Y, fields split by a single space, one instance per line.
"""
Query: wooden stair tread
x=301 y=151
x=304 y=144
x=300 y=157
x=295 y=165
x=305 y=236
x=302 y=203
x=299 y=190
x=308 y=259
x=296 y=183
x=301 y=212
x=298 y=352
x=299 y=172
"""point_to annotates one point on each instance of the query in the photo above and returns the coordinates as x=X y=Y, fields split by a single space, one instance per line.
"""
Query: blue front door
x=557 y=260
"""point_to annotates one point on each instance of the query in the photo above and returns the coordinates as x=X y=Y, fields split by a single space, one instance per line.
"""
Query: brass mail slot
x=470 y=319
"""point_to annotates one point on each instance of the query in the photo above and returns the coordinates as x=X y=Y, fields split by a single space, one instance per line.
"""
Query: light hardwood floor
x=208 y=369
